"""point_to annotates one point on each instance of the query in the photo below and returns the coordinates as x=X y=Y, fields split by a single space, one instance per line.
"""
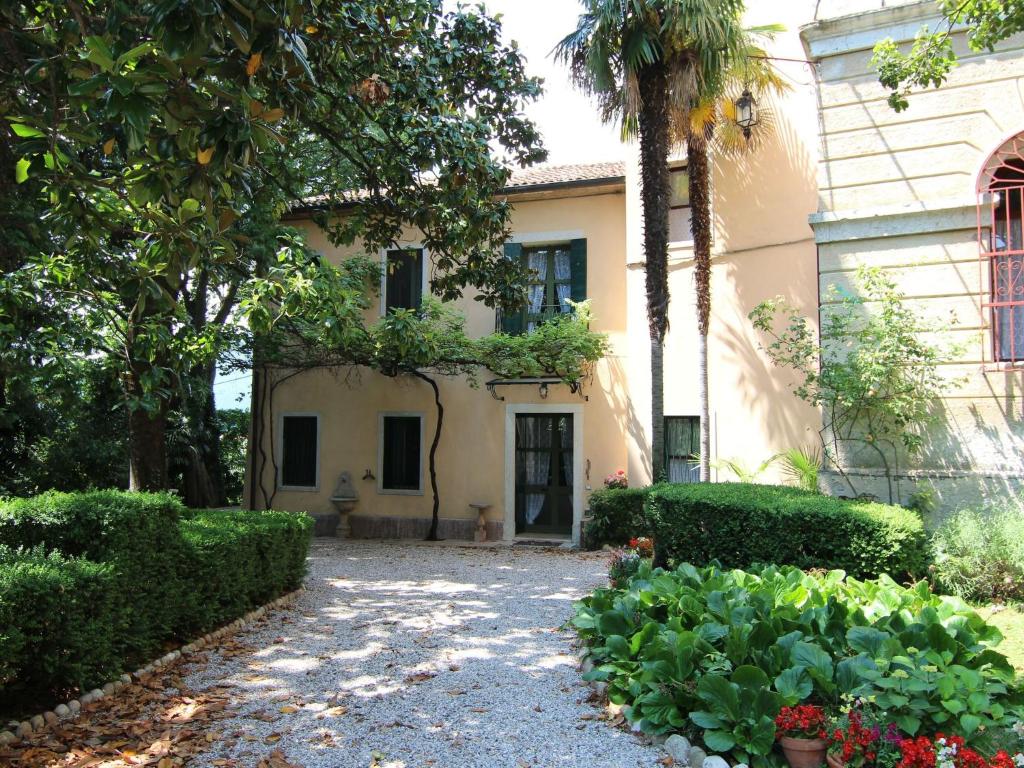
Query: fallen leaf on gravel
x=276 y=759
x=479 y=709
x=288 y=709
x=419 y=677
x=272 y=738
x=263 y=716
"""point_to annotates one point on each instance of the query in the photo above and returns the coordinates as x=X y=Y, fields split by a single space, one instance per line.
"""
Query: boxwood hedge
x=738 y=524
x=92 y=584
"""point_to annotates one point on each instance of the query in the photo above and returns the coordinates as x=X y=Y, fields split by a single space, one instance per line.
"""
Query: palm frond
x=801 y=466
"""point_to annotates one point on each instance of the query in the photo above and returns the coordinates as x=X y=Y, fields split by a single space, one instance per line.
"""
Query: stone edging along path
x=71 y=709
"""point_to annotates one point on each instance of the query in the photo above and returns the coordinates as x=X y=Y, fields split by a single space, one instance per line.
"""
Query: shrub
x=59 y=619
x=717 y=654
x=111 y=578
x=739 y=525
x=617 y=516
x=980 y=556
x=94 y=524
x=241 y=559
x=137 y=533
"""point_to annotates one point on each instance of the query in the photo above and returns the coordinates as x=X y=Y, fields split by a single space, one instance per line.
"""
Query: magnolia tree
x=161 y=142
x=313 y=318
x=873 y=373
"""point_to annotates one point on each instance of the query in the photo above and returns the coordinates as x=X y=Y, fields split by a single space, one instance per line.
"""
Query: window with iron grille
x=1002 y=246
x=682 y=445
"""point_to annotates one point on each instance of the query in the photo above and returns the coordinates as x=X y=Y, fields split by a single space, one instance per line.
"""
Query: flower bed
x=716 y=654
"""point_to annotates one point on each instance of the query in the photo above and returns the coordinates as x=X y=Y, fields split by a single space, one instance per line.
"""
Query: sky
x=567 y=119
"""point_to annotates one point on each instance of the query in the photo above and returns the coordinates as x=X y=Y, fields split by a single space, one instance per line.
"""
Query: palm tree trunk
x=700 y=226
x=654 y=195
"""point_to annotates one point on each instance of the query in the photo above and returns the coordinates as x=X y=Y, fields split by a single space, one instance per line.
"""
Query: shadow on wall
x=784 y=264
x=617 y=400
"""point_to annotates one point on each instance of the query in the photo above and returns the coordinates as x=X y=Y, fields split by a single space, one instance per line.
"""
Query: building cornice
x=859 y=31
x=947 y=215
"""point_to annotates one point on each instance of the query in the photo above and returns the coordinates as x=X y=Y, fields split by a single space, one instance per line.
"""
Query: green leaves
x=875 y=374
x=794 y=685
x=918 y=656
x=931 y=57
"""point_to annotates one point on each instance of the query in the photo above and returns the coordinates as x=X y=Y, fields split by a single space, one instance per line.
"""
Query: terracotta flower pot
x=804 y=753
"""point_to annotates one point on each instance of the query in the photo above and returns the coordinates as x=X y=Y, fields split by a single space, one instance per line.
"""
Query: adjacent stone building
x=928 y=195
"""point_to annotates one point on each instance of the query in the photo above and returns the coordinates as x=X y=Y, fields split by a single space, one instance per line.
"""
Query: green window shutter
x=417 y=278
x=578 y=267
x=512 y=321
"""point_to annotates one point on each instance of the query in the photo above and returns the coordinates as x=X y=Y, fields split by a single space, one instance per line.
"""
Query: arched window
x=1001 y=234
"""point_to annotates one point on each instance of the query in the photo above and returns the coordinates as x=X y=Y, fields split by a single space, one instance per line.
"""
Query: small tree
x=873 y=374
x=320 y=326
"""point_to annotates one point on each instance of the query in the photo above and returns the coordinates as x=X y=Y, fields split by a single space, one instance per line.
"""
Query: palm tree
x=653 y=66
x=710 y=127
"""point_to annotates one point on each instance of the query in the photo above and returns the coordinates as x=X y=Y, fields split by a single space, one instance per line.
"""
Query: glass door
x=544 y=473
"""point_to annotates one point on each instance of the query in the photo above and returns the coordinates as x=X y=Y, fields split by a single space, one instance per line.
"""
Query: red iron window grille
x=1001 y=237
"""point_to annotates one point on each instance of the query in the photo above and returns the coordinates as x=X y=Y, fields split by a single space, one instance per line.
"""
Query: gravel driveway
x=402 y=655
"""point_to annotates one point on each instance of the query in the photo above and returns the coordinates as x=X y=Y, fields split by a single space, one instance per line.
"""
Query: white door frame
x=513 y=409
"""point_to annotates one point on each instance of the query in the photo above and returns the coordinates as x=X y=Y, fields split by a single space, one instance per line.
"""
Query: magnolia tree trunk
x=700 y=226
x=147 y=450
x=432 y=464
x=654 y=195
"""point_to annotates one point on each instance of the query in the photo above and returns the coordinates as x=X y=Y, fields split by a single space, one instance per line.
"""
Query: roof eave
x=602 y=185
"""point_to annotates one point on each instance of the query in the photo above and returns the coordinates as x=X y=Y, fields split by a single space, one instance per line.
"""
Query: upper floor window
x=1003 y=248
x=403 y=279
x=679 y=206
x=558 y=275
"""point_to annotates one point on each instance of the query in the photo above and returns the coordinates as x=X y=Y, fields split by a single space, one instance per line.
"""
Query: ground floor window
x=401 y=453
x=299 y=450
x=682 y=446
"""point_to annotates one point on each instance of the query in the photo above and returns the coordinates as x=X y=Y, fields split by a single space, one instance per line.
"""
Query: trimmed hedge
x=241 y=559
x=92 y=584
x=617 y=515
x=58 y=623
x=740 y=524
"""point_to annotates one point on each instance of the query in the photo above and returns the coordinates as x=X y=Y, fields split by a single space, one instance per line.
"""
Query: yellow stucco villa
x=932 y=195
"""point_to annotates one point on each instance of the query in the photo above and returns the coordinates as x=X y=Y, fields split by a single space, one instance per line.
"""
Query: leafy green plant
x=979 y=556
x=739 y=714
x=93 y=583
x=680 y=648
x=616 y=516
x=801 y=467
x=924 y=693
